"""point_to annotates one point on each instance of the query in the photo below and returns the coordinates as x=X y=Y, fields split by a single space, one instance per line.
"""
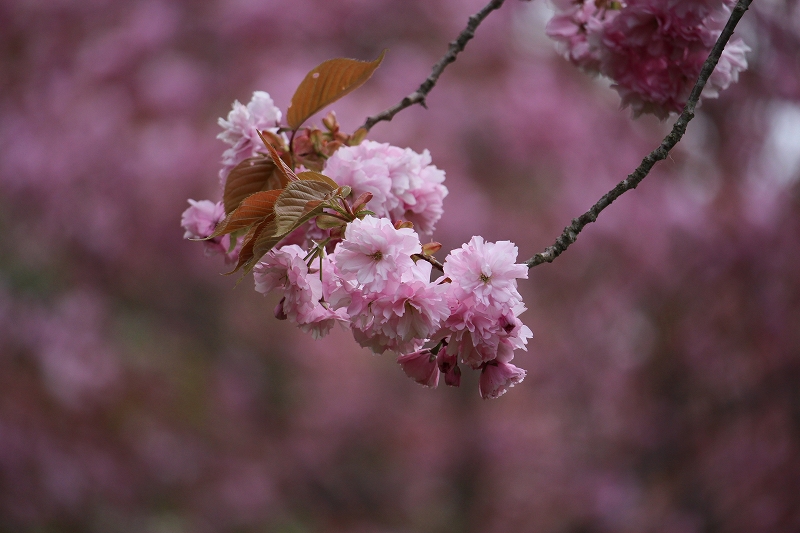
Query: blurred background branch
x=570 y=233
x=457 y=46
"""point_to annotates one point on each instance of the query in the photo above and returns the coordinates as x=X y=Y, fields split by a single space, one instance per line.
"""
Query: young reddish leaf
x=316 y=176
x=288 y=173
x=252 y=210
x=290 y=208
x=247 y=256
x=248 y=177
x=327 y=83
x=264 y=242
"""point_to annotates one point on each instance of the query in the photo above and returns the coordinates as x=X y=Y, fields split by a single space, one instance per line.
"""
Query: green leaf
x=327 y=83
x=248 y=177
x=300 y=201
x=252 y=210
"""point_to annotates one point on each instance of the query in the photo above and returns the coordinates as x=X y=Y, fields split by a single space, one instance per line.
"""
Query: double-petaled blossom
x=199 y=221
x=376 y=253
x=401 y=317
x=240 y=129
x=484 y=302
x=284 y=270
x=486 y=271
x=404 y=184
x=654 y=53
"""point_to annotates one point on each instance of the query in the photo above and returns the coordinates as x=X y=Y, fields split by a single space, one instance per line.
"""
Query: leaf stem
x=430 y=259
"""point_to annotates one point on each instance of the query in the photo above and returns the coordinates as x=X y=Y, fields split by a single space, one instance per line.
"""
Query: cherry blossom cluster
x=372 y=283
x=652 y=50
x=374 y=276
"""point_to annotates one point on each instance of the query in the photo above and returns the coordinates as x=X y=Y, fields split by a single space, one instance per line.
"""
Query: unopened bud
x=431 y=248
x=400 y=224
x=330 y=122
x=279 y=312
x=362 y=201
x=359 y=135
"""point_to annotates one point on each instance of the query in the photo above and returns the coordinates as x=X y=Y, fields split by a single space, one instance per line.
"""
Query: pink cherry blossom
x=375 y=253
x=401 y=318
x=486 y=271
x=577 y=27
x=654 y=54
x=484 y=302
x=497 y=377
x=404 y=184
x=199 y=221
x=285 y=271
x=421 y=366
x=240 y=129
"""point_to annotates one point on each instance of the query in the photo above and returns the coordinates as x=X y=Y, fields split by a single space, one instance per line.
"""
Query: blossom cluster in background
x=652 y=50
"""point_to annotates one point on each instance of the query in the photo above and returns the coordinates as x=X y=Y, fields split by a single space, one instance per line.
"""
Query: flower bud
x=448 y=365
x=280 y=314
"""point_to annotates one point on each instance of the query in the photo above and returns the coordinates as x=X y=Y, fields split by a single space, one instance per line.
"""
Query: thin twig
x=430 y=259
x=418 y=96
x=570 y=233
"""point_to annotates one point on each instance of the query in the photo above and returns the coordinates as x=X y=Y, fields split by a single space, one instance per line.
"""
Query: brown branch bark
x=457 y=46
x=570 y=233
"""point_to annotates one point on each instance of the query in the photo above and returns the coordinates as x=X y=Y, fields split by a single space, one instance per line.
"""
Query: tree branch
x=418 y=96
x=570 y=233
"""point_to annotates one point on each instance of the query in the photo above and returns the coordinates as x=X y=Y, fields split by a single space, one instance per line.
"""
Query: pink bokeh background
x=140 y=391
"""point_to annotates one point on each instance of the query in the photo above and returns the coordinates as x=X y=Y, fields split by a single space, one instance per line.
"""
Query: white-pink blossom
x=240 y=129
x=404 y=184
x=485 y=270
x=478 y=333
x=400 y=319
x=484 y=302
x=375 y=253
x=283 y=270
